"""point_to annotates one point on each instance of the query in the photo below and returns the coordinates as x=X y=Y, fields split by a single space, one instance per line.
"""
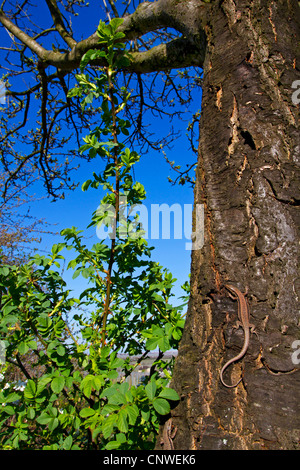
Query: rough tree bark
x=248 y=181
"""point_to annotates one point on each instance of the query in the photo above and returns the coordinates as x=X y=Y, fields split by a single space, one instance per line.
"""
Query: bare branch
x=178 y=53
x=113 y=7
x=22 y=124
x=147 y=17
x=59 y=23
x=157 y=49
x=23 y=37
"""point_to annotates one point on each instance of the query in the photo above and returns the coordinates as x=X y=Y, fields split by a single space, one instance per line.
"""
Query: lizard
x=244 y=317
x=168 y=435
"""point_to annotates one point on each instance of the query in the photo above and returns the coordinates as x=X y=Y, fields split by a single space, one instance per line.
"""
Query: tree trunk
x=248 y=181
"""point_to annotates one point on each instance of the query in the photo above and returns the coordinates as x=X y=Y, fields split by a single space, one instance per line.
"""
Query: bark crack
x=229 y=8
x=234 y=122
x=266 y=66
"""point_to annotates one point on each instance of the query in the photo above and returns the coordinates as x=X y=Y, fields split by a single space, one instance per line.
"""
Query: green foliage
x=76 y=393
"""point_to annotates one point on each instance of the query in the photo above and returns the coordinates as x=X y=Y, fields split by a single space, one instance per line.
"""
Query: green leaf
x=4 y=270
x=53 y=424
x=169 y=394
x=23 y=348
x=30 y=390
x=161 y=405
x=68 y=443
x=57 y=384
x=30 y=413
x=145 y=415
x=32 y=344
x=132 y=412
x=116 y=363
x=86 y=412
x=92 y=54
x=8 y=308
x=9 y=410
x=91 y=382
x=122 y=422
x=56 y=248
x=61 y=350
x=109 y=408
x=44 y=323
x=163 y=344
x=12 y=397
x=98 y=382
x=150 y=390
x=76 y=91
x=49 y=419
x=108 y=426
x=44 y=418
x=151 y=343
x=112 y=445
x=77 y=272
x=115 y=23
x=86 y=185
x=42 y=382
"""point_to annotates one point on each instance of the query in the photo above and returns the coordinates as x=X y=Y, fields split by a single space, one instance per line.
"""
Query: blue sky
x=152 y=171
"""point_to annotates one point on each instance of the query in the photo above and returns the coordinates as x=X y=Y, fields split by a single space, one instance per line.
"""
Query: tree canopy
x=39 y=63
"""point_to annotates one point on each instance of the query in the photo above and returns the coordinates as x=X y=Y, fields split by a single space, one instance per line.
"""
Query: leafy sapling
x=76 y=393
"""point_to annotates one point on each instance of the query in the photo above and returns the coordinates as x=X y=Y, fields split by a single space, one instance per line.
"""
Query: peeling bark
x=248 y=181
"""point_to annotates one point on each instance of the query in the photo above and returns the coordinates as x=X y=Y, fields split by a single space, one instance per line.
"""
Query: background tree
x=247 y=179
x=18 y=229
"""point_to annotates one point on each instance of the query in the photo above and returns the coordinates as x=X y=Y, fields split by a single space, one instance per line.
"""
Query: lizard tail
x=222 y=380
x=234 y=359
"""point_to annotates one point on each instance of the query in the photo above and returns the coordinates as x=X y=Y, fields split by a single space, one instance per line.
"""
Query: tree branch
x=59 y=23
x=113 y=7
x=175 y=54
x=147 y=17
x=20 y=365
x=23 y=37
